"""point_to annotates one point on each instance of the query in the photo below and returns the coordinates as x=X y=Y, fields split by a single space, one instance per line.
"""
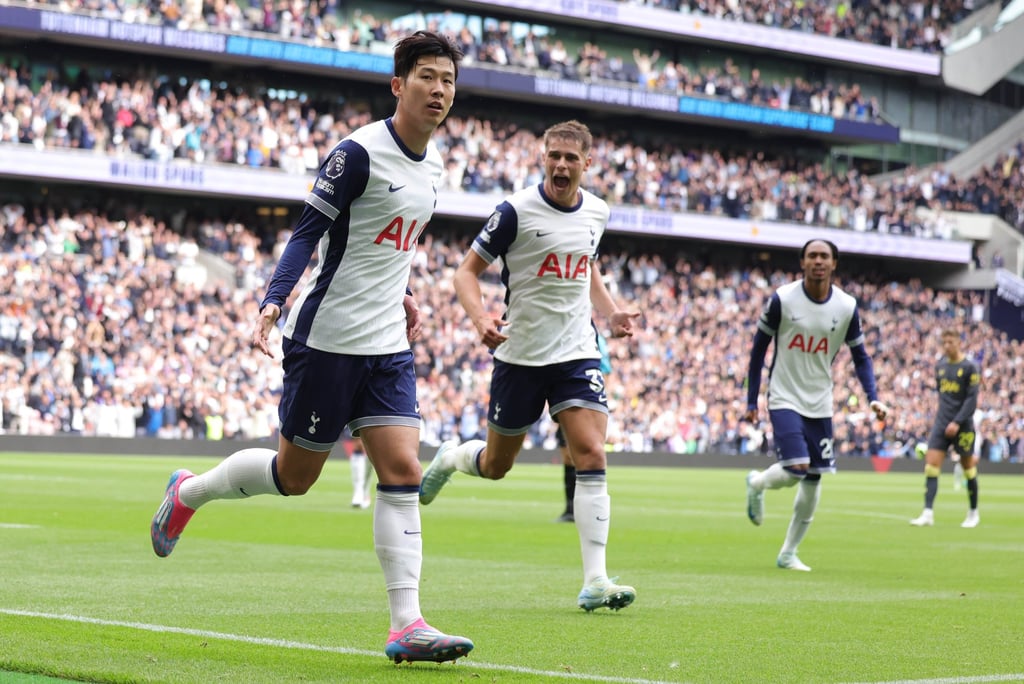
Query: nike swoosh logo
x=540 y=234
x=600 y=519
x=244 y=493
x=795 y=318
x=393 y=188
x=411 y=531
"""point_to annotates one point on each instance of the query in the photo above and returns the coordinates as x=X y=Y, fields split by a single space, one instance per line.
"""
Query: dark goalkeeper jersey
x=958 y=392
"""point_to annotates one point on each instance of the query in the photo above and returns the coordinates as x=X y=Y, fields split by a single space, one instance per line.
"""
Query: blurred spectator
x=923 y=26
x=106 y=339
x=167 y=118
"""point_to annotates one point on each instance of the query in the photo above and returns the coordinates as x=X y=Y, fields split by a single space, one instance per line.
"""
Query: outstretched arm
x=601 y=299
x=767 y=325
x=866 y=375
x=467 y=288
x=310 y=228
x=757 y=353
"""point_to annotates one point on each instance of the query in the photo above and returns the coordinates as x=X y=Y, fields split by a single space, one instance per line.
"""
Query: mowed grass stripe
x=886 y=602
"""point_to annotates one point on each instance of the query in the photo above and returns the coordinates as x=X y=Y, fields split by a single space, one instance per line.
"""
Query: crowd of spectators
x=499 y=44
x=161 y=118
x=106 y=330
x=915 y=25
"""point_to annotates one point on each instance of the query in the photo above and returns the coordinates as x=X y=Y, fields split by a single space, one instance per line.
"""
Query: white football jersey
x=371 y=200
x=808 y=335
x=545 y=252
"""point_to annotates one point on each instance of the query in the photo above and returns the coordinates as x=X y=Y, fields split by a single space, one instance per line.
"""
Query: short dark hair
x=408 y=51
x=831 y=245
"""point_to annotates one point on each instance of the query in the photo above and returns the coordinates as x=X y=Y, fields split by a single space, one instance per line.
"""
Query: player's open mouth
x=437 y=106
x=560 y=182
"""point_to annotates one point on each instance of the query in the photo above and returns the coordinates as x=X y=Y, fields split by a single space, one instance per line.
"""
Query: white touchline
x=979 y=679
x=284 y=643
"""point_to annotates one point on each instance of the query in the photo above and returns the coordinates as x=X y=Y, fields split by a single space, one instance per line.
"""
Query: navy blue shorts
x=800 y=440
x=518 y=393
x=324 y=393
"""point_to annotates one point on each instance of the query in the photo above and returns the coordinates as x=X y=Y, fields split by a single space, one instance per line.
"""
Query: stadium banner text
x=154 y=35
x=751 y=233
x=700 y=109
x=705 y=28
x=254 y=49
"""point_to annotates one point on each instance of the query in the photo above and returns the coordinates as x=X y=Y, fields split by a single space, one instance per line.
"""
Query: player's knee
x=971 y=473
x=494 y=473
x=590 y=455
x=295 y=485
x=291 y=480
x=931 y=470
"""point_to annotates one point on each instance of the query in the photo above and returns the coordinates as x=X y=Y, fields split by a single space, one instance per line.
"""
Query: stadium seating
x=104 y=330
x=154 y=119
x=98 y=336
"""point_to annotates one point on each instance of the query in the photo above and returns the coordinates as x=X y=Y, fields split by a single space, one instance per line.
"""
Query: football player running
x=545 y=347
x=809 y=319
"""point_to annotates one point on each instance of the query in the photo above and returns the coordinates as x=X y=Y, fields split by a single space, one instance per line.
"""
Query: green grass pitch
x=289 y=590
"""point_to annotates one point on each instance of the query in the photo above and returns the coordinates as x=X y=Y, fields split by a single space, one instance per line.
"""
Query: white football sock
x=243 y=474
x=360 y=475
x=367 y=478
x=463 y=457
x=398 y=540
x=592 y=507
x=804 y=505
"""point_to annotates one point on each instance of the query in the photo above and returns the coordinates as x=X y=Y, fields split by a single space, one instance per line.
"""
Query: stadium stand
x=915 y=26
x=100 y=337
x=156 y=119
x=115 y=321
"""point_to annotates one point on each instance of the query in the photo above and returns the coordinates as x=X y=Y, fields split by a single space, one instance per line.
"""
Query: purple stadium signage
x=752 y=233
x=256 y=48
x=1010 y=288
x=110 y=29
x=25 y=161
x=601 y=11
x=633 y=98
x=700 y=27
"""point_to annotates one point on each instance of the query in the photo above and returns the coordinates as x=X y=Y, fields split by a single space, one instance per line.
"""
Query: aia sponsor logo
x=402 y=236
x=809 y=344
x=569 y=266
